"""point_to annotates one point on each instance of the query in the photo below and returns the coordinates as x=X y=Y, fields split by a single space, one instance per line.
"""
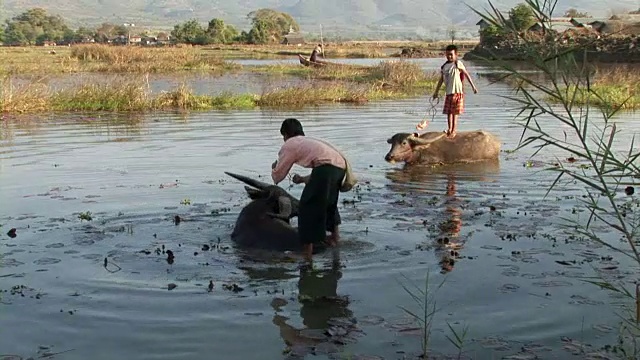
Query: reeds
x=118 y=94
x=357 y=85
x=110 y=59
x=612 y=88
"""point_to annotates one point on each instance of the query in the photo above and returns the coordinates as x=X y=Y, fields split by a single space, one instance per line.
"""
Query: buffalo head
x=264 y=222
x=403 y=145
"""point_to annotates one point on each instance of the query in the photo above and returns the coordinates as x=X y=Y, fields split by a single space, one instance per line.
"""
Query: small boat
x=318 y=63
x=321 y=63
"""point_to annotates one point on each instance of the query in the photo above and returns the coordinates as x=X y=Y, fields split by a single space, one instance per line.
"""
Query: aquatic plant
x=425 y=299
x=458 y=339
x=589 y=137
x=124 y=94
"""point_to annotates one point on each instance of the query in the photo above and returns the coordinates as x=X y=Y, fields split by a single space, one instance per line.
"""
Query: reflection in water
x=116 y=127
x=426 y=178
x=415 y=180
x=449 y=242
x=326 y=318
x=325 y=315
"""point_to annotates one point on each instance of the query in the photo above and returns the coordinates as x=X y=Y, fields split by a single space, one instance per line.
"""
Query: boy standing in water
x=452 y=74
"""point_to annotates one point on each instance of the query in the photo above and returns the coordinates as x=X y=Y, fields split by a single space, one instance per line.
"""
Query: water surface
x=134 y=174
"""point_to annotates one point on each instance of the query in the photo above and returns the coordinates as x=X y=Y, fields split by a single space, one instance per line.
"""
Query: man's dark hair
x=451 y=48
x=291 y=127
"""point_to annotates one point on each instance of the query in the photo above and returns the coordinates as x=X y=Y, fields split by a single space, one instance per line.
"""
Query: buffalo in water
x=436 y=148
x=264 y=222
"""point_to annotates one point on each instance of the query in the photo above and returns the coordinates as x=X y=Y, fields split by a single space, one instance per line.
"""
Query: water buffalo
x=264 y=222
x=434 y=147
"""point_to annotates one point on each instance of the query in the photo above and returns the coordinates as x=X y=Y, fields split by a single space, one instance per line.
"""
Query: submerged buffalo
x=434 y=147
x=264 y=222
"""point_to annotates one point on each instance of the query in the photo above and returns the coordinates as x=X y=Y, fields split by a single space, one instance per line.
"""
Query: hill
x=344 y=16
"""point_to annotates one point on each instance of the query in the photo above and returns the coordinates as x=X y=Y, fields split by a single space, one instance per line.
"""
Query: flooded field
x=94 y=200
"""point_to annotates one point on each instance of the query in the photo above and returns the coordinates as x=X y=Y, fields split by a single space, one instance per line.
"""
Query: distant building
x=293 y=38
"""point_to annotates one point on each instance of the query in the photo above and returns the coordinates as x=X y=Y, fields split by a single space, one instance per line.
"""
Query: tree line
x=35 y=27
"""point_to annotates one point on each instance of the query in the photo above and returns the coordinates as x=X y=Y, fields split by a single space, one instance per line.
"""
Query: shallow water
x=133 y=173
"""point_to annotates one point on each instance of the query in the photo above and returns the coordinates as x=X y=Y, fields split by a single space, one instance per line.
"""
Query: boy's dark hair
x=451 y=48
x=291 y=127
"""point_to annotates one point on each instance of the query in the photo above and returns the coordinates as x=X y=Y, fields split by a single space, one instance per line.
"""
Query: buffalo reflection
x=417 y=180
x=325 y=315
x=426 y=178
x=449 y=243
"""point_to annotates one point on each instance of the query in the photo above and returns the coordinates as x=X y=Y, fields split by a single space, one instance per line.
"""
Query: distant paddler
x=314 y=54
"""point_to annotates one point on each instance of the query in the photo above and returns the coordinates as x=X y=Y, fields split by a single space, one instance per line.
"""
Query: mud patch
x=9 y=262
x=47 y=261
x=508 y=288
x=54 y=246
x=553 y=283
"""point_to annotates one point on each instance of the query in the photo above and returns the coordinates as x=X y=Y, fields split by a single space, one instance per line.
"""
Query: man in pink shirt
x=318 y=211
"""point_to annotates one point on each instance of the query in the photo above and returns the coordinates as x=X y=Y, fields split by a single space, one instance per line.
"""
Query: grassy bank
x=388 y=80
x=388 y=73
x=140 y=59
x=617 y=88
x=109 y=59
x=349 y=49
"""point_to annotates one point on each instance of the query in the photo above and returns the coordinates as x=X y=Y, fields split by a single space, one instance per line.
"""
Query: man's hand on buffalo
x=297 y=179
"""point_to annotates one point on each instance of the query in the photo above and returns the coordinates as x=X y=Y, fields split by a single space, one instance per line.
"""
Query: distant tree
x=522 y=17
x=573 y=13
x=635 y=12
x=269 y=26
x=108 y=31
x=190 y=32
x=1 y=33
x=19 y=34
x=220 y=33
x=35 y=26
x=491 y=34
x=84 y=33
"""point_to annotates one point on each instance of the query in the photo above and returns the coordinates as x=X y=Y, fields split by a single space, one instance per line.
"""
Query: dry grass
x=117 y=94
x=21 y=98
x=349 y=49
x=351 y=84
x=110 y=59
x=389 y=73
x=617 y=86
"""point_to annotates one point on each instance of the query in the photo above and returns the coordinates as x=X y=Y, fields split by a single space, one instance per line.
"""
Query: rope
x=433 y=111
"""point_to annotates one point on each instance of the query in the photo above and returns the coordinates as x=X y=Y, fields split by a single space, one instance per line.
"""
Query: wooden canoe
x=306 y=62
x=321 y=63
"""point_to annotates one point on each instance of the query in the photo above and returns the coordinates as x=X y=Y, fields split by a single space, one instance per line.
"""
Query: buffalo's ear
x=389 y=141
x=253 y=193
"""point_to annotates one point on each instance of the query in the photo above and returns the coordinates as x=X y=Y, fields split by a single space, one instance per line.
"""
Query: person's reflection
x=448 y=242
x=320 y=303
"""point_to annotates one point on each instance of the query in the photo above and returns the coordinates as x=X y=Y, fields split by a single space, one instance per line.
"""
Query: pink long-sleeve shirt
x=306 y=152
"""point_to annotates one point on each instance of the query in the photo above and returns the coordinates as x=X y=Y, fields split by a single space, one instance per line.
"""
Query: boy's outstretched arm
x=473 y=86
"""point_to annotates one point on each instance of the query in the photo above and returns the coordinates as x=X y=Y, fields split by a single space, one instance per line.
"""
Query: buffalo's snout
x=387 y=157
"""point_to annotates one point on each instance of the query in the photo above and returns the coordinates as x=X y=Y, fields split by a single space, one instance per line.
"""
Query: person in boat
x=314 y=54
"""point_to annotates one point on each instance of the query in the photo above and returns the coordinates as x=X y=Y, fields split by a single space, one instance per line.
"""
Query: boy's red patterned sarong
x=453 y=104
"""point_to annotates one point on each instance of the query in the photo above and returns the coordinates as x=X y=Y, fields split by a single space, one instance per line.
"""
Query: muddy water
x=134 y=175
